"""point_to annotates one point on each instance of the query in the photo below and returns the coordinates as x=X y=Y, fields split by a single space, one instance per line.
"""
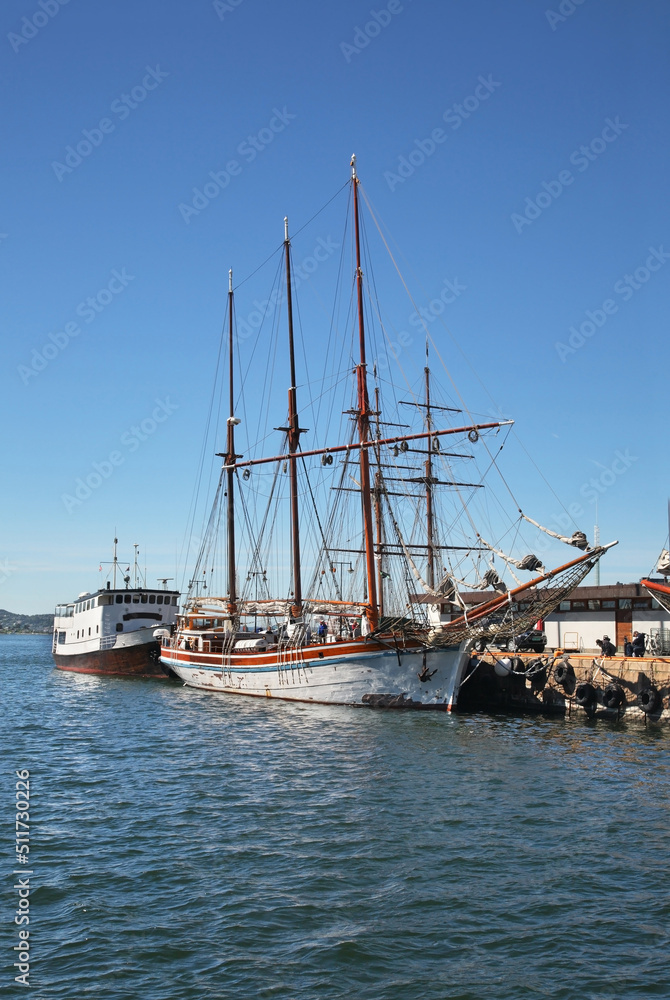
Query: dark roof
x=579 y=593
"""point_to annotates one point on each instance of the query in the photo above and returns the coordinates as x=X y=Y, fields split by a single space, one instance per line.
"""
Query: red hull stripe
x=272 y=659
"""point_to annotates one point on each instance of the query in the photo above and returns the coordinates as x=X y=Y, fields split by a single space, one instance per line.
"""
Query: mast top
x=286 y=228
x=230 y=280
x=353 y=167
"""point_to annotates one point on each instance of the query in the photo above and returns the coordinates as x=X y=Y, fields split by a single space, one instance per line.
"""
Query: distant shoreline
x=25 y=631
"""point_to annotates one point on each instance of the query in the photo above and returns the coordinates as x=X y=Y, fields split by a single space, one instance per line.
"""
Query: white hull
x=345 y=674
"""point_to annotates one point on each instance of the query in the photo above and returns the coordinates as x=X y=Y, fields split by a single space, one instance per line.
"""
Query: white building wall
x=579 y=629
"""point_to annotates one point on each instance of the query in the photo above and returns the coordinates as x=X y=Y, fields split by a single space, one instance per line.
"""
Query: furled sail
x=578 y=538
x=529 y=562
x=664 y=563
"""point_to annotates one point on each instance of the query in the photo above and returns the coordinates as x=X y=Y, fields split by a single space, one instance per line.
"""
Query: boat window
x=625 y=602
x=578 y=605
x=61 y=638
x=152 y=598
x=89 y=631
x=136 y=599
x=77 y=633
x=119 y=626
x=97 y=629
x=564 y=606
x=608 y=604
x=594 y=605
x=126 y=598
x=174 y=601
x=642 y=602
x=119 y=598
x=159 y=598
x=144 y=598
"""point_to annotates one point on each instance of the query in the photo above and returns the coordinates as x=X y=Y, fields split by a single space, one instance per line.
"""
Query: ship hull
x=332 y=674
x=142 y=660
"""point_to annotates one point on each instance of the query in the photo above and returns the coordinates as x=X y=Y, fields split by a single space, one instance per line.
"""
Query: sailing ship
x=385 y=626
x=115 y=631
x=660 y=589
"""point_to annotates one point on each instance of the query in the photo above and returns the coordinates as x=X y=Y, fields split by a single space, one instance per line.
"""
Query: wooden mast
x=293 y=433
x=364 y=425
x=230 y=458
x=429 y=483
x=379 y=524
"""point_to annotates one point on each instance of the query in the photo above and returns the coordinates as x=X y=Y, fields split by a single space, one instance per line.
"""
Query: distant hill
x=10 y=622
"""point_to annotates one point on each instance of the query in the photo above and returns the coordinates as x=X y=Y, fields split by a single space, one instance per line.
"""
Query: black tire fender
x=613 y=696
x=585 y=695
x=648 y=700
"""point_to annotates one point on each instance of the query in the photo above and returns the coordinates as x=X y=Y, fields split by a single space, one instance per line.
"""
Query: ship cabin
x=95 y=620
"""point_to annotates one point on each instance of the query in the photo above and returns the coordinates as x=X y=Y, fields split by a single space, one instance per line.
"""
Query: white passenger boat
x=115 y=631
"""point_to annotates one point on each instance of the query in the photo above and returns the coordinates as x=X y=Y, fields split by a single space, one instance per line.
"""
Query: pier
x=562 y=683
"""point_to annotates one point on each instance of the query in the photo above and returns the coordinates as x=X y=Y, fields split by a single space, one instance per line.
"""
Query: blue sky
x=160 y=96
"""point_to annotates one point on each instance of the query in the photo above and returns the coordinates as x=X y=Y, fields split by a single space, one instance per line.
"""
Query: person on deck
x=323 y=631
x=627 y=647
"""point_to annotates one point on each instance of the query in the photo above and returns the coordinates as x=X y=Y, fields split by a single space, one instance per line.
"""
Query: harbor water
x=185 y=845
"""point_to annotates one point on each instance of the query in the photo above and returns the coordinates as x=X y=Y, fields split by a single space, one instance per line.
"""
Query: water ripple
x=192 y=846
